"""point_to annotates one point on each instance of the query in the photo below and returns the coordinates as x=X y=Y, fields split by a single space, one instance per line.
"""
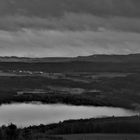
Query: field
x=102 y=89
x=102 y=137
x=75 y=83
x=82 y=83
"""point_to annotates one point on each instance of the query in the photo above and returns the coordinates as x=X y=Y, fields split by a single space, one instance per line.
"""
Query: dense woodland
x=109 y=125
x=11 y=132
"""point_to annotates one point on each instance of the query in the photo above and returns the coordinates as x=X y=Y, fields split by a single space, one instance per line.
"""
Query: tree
x=11 y=132
x=27 y=134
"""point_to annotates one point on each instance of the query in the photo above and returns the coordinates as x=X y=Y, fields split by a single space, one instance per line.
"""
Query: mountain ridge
x=114 y=58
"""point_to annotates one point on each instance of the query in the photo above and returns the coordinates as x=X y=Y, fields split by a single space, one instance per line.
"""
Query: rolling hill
x=130 y=58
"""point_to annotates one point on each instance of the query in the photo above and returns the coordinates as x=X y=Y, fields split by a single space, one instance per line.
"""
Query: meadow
x=101 y=137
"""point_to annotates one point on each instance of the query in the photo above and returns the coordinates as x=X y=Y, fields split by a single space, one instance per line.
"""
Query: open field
x=24 y=82
x=76 y=83
x=101 y=137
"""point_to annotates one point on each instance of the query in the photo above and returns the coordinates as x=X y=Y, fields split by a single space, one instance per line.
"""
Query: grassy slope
x=101 y=137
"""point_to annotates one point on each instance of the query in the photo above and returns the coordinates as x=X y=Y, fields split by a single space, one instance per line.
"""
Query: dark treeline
x=71 y=99
x=99 y=125
x=115 y=125
x=58 y=98
x=11 y=132
x=74 y=66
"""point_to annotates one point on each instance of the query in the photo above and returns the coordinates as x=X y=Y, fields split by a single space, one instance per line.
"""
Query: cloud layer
x=70 y=21
x=51 y=43
x=70 y=35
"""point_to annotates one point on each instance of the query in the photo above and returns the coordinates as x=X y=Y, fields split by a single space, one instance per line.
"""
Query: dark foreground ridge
x=111 y=125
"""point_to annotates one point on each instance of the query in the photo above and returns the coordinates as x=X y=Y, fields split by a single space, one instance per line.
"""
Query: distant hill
x=93 y=58
x=111 y=58
x=44 y=8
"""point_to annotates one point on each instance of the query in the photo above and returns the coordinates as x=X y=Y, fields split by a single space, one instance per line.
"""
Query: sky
x=68 y=36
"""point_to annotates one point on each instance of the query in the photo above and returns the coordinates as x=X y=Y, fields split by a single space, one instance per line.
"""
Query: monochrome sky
x=72 y=34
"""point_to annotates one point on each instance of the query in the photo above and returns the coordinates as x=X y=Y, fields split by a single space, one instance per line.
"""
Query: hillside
x=130 y=58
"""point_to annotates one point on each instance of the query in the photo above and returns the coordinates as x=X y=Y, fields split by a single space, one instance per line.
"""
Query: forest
x=108 y=125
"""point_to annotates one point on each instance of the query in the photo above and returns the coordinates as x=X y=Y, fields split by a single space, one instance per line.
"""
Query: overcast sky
x=37 y=43
x=69 y=36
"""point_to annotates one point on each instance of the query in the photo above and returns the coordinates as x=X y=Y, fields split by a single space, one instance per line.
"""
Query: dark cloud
x=55 y=8
x=71 y=21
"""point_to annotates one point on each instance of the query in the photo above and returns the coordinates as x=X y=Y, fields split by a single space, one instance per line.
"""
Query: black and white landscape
x=69 y=69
